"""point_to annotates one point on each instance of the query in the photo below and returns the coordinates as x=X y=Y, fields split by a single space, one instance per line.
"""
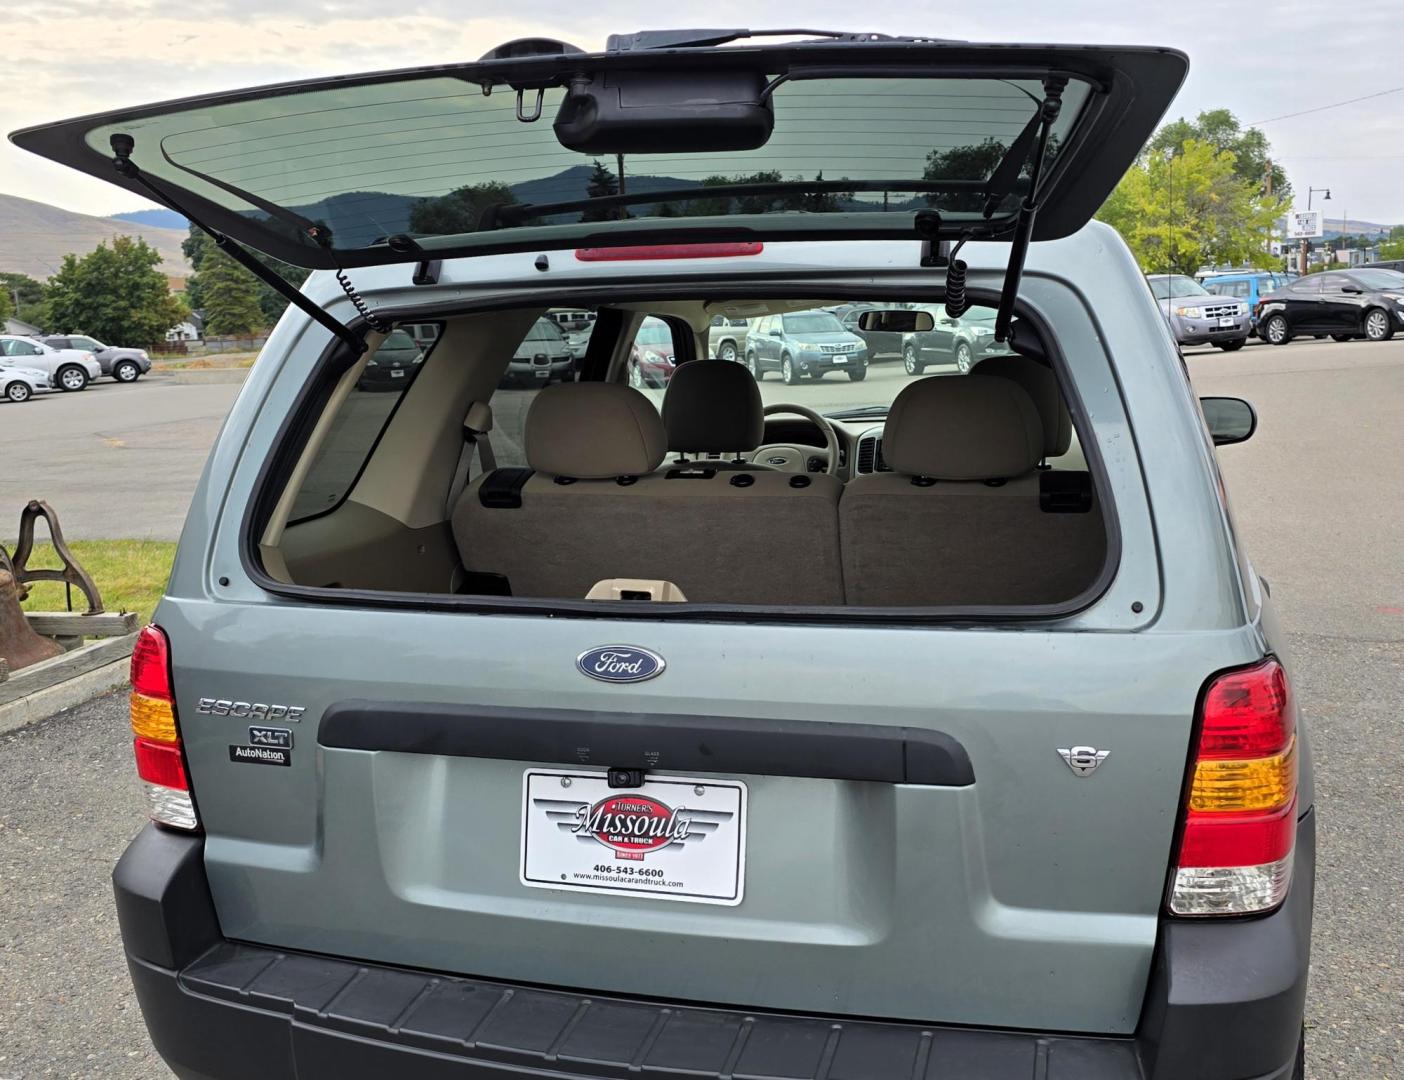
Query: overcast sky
x=70 y=57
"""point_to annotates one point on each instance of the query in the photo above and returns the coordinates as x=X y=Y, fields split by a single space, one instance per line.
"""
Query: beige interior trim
x=427 y=428
x=615 y=588
x=278 y=520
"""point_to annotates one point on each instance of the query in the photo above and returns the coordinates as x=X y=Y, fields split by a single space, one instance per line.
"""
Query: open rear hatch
x=806 y=832
x=664 y=137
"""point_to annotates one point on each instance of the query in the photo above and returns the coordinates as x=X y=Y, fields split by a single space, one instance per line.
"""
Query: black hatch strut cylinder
x=1040 y=128
x=122 y=147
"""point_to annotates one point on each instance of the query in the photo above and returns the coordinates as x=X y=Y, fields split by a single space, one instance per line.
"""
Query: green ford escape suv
x=910 y=727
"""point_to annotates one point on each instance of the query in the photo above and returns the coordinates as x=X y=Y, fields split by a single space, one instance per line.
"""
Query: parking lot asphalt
x=117 y=461
x=1317 y=498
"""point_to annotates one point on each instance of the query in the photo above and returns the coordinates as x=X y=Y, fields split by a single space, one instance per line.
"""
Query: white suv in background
x=68 y=369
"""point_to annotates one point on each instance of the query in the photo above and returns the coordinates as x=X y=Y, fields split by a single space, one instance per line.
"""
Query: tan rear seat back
x=1039 y=382
x=759 y=541
x=959 y=521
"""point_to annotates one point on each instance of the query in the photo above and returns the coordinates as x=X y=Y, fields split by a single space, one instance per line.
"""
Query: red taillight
x=160 y=759
x=1246 y=714
x=1240 y=824
x=151 y=664
x=669 y=251
x=160 y=763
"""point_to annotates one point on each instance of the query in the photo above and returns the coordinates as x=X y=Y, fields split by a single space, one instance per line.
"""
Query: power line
x=1323 y=108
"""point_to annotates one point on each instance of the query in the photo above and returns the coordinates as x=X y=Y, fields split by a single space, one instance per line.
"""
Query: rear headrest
x=593 y=430
x=1041 y=385
x=713 y=405
x=951 y=427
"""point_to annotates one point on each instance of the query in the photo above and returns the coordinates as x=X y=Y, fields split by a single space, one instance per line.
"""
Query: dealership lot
x=1316 y=499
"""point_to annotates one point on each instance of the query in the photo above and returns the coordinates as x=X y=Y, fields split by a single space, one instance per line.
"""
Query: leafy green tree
x=459 y=211
x=7 y=306
x=32 y=307
x=977 y=161
x=1184 y=210
x=116 y=294
x=271 y=302
x=602 y=183
x=229 y=296
x=1393 y=248
x=1222 y=130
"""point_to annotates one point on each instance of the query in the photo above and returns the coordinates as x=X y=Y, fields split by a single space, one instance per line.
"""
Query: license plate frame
x=1226 y=321
x=563 y=848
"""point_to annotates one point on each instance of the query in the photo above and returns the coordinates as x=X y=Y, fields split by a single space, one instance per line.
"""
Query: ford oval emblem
x=620 y=663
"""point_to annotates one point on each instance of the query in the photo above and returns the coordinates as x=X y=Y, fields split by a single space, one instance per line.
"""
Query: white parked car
x=67 y=369
x=21 y=383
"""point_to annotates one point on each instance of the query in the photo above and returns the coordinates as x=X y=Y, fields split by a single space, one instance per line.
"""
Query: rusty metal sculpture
x=19 y=645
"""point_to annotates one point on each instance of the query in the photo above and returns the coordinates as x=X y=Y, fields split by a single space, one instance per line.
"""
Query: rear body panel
x=1030 y=898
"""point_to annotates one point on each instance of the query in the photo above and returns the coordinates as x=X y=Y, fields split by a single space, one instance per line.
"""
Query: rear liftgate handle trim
x=651 y=741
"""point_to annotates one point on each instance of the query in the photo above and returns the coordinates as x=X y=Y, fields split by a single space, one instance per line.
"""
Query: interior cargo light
x=160 y=760
x=1240 y=822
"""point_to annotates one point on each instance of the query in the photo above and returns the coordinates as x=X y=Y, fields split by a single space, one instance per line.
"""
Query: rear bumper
x=1224 y=1003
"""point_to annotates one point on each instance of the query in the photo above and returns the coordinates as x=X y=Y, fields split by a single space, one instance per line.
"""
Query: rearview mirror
x=1230 y=420
x=896 y=321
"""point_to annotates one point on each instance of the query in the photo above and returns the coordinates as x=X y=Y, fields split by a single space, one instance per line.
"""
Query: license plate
x=674 y=838
x=840 y=359
x=396 y=373
x=543 y=374
x=1228 y=321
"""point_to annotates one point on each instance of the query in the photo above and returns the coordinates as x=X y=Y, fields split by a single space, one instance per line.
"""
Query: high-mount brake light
x=668 y=251
x=1241 y=821
x=160 y=759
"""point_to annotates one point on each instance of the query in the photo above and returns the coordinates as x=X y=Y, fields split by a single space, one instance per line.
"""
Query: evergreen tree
x=229 y=297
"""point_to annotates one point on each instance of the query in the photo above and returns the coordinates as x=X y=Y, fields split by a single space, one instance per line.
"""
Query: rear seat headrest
x=713 y=405
x=953 y=427
x=1041 y=385
x=593 y=430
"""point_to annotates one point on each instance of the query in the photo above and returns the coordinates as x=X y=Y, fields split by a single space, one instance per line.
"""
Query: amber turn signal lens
x=153 y=719
x=1227 y=785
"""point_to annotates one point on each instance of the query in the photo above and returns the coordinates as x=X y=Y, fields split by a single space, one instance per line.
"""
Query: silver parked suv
x=906 y=727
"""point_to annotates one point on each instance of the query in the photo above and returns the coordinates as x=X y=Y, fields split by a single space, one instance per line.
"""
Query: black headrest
x=713 y=406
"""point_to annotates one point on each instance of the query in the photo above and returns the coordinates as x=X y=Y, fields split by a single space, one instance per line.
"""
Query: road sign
x=1302 y=224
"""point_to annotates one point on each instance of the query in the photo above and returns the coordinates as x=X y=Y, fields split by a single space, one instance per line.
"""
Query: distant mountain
x=34 y=237
x=162 y=219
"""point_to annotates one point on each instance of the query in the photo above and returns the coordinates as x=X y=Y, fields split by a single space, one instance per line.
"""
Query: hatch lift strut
x=122 y=147
x=1034 y=137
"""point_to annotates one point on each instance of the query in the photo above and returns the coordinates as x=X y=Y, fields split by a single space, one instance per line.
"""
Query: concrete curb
x=42 y=704
x=206 y=376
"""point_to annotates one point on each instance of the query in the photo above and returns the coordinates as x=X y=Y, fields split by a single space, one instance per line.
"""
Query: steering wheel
x=794 y=458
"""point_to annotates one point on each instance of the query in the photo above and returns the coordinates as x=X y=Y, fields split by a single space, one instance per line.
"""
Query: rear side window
x=360 y=422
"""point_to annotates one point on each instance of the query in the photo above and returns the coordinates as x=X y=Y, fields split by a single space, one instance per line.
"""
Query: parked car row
x=1365 y=303
x=64 y=369
x=1226 y=309
x=66 y=362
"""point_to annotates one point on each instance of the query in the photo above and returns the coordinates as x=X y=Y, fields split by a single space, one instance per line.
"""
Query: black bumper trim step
x=356 y=1019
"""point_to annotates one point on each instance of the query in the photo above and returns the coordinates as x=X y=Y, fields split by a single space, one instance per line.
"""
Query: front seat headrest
x=593 y=430
x=1041 y=385
x=952 y=427
x=713 y=405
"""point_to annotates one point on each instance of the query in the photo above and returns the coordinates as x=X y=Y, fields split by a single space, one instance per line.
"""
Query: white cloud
x=82 y=56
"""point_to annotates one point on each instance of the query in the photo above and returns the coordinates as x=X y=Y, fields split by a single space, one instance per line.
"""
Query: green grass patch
x=130 y=574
